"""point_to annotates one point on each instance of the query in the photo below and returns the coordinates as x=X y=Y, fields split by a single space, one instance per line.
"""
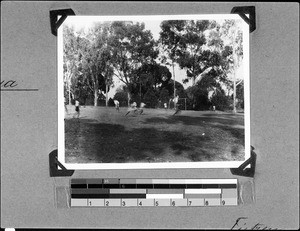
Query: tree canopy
x=207 y=50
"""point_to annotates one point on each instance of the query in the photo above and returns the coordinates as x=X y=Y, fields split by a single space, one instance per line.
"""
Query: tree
x=232 y=32
x=220 y=100
x=70 y=60
x=170 y=42
x=121 y=95
x=96 y=60
x=131 y=46
x=150 y=75
x=186 y=44
x=87 y=61
x=240 y=94
x=164 y=95
x=150 y=99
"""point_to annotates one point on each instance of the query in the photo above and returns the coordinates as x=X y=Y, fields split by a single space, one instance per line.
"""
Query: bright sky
x=152 y=23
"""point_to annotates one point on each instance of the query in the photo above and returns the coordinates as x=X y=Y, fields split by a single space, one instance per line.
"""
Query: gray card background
x=29 y=123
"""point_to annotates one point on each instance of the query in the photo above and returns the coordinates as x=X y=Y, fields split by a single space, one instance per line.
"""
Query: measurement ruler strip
x=155 y=192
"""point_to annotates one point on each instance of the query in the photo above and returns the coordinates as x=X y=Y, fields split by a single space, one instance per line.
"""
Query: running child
x=132 y=108
x=176 y=107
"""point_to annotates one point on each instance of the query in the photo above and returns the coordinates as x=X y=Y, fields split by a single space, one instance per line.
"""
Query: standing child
x=77 y=108
x=176 y=106
x=165 y=106
x=117 y=104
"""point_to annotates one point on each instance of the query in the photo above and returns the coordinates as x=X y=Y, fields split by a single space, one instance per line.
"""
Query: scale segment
x=131 y=192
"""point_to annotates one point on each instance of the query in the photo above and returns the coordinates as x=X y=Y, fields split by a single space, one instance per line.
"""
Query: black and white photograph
x=153 y=92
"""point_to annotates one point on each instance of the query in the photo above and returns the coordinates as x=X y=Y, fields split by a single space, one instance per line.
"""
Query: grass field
x=104 y=135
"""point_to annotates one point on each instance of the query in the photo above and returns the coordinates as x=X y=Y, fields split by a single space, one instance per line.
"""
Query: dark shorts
x=77 y=109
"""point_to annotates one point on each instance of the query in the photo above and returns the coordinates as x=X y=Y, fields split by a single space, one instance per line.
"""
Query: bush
x=122 y=97
x=221 y=101
x=111 y=102
x=150 y=99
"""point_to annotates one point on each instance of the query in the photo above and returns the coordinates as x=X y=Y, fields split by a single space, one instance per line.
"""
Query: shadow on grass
x=112 y=143
x=198 y=121
x=230 y=124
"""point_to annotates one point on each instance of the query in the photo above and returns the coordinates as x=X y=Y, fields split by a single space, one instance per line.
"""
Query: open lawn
x=104 y=135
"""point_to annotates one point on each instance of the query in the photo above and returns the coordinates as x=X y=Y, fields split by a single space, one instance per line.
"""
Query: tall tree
x=184 y=41
x=232 y=33
x=132 y=46
x=96 y=60
x=150 y=75
x=70 y=60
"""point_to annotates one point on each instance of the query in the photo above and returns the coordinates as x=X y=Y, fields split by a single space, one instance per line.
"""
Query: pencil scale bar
x=111 y=192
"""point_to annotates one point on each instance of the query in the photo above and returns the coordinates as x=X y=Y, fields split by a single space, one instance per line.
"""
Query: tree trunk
x=69 y=94
x=96 y=96
x=129 y=98
x=106 y=98
x=234 y=74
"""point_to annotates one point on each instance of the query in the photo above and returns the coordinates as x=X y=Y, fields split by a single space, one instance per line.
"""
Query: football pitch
x=105 y=135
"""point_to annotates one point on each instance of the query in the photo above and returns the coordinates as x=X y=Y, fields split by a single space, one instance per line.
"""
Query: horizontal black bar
x=89 y=196
x=128 y=186
x=94 y=185
x=161 y=186
x=177 y=185
x=144 y=186
x=78 y=185
x=111 y=186
x=90 y=191
x=210 y=186
x=227 y=186
x=194 y=186
x=86 y=196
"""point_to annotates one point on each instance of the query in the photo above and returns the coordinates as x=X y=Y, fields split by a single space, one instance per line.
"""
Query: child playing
x=77 y=108
x=141 y=107
x=117 y=104
x=131 y=108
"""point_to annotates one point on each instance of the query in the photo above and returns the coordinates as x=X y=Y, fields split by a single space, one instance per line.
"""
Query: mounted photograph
x=147 y=92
